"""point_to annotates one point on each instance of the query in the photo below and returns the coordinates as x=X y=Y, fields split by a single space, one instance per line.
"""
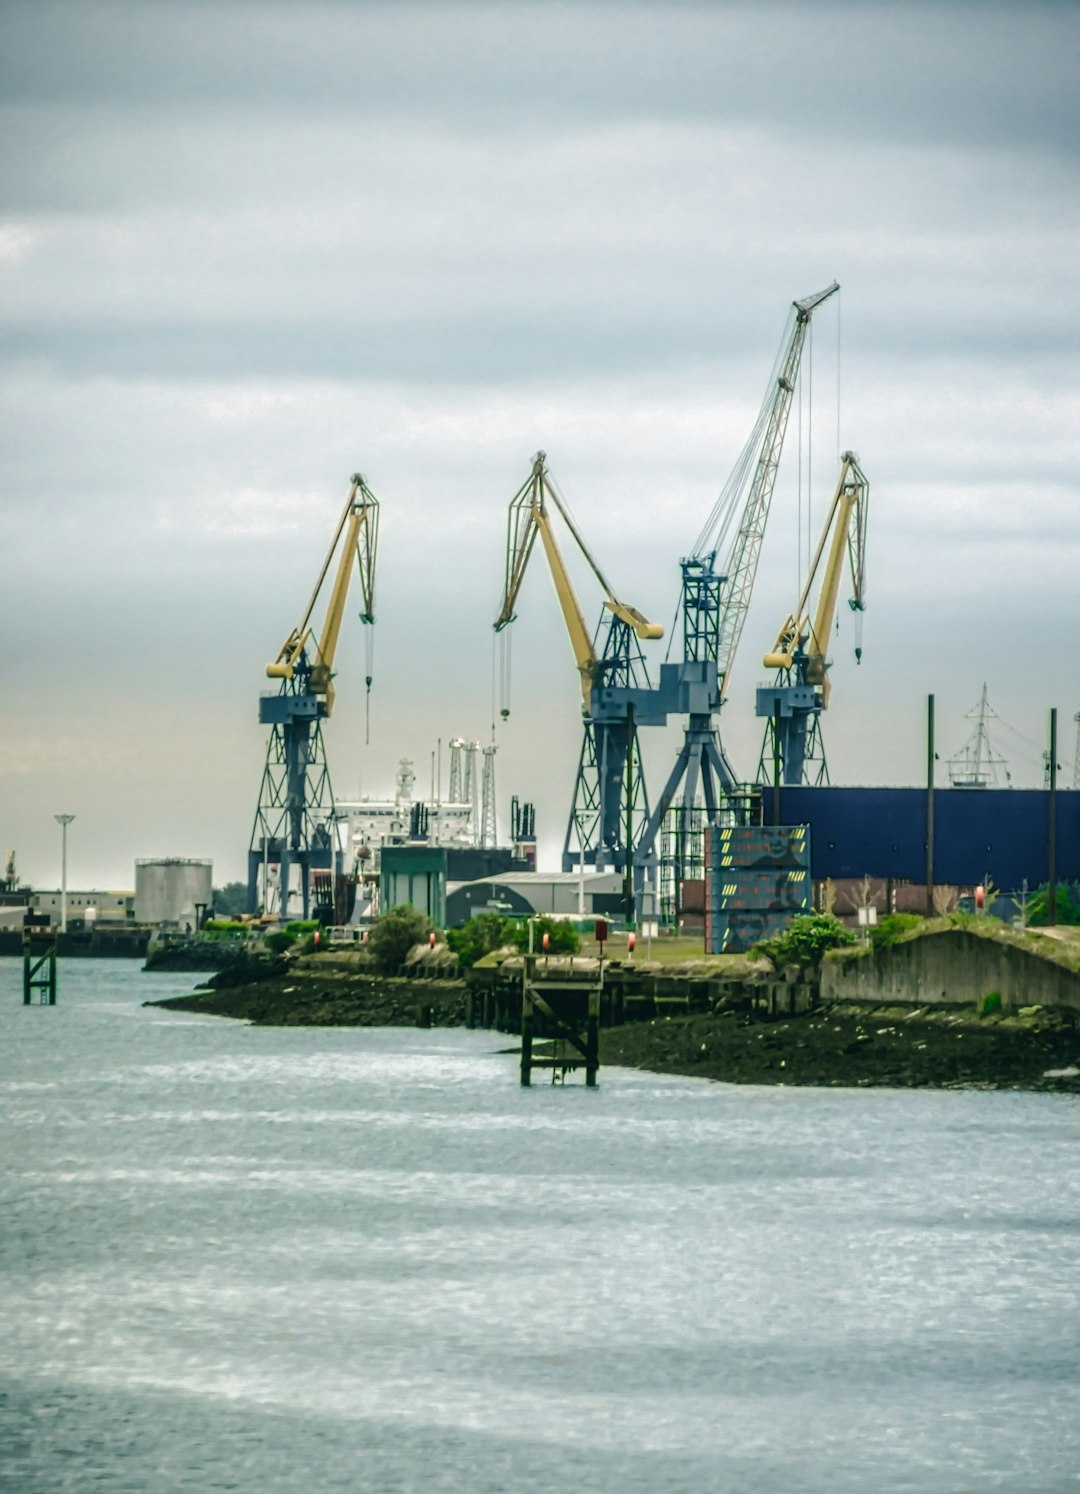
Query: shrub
x=483 y=933
x=892 y=928
x=1068 y=905
x=563 y=937
x=394 y=934
x=279 y=941
x=807 y=937
x=991 y=1002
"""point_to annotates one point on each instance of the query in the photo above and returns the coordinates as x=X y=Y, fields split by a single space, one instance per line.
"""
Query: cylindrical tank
x=168 y=888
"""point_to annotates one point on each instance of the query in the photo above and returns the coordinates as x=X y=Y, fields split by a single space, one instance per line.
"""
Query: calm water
x=241 y=1258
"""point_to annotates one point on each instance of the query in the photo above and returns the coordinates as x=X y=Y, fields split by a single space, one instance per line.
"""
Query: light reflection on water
x=350 y=1259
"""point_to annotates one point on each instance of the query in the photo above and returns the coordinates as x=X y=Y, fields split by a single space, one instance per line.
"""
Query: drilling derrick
x=294 y=821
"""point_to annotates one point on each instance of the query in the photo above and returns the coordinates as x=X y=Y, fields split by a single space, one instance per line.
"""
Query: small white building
x=86 y=907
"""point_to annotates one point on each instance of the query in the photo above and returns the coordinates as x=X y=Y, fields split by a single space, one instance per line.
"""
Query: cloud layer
x=246 y=250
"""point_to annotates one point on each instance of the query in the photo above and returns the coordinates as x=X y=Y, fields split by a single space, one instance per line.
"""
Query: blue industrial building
x=882 y=832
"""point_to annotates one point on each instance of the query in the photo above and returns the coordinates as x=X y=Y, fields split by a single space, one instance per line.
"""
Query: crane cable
x=810 y=447
x=501 y=675
x=369 y=669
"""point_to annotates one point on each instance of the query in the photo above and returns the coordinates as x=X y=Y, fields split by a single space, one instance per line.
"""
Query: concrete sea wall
x=954 y=968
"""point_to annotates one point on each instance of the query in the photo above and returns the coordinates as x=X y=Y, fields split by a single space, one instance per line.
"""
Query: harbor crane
x=294 y=821
x=610 y=803
x=792 y=747
x=714 y=603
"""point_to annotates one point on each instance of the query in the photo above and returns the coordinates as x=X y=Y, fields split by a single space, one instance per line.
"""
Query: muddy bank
x=899 y=1047
x=330 y=998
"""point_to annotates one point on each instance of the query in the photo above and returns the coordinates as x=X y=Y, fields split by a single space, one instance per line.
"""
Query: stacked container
x=757 y=878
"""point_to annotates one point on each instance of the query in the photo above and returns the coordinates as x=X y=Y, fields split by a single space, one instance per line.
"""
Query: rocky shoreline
x=1034 y=1048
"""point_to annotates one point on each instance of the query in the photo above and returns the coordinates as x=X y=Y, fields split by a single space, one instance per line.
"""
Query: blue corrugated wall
x=881 y=832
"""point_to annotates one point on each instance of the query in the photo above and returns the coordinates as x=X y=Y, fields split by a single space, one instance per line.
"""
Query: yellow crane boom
x=356 y=536
x=529 y=517
x=846 y=521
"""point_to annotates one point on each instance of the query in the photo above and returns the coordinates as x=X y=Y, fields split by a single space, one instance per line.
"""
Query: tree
x=230 y=900
x=863 y=896
x=394 y=934
x=945 y=899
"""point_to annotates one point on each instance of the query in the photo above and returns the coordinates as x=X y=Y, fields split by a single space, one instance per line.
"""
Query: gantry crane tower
x=794 y=703
x=714 y=603
x=294 y=821
x=610 y=803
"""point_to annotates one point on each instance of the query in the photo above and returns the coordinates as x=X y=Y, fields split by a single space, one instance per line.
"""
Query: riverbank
x=328 y=997
x=896 y=1047
x=834 y=1044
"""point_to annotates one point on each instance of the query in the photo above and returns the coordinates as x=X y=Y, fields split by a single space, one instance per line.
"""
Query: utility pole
x=930 y=806
x=628 y=852
x=63 y=820
x=776 y=762
x=1051 y=829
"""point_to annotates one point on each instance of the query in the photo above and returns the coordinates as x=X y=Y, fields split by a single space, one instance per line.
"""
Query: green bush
x=279 y=941
x=302 y=926
x=394 y=934
x=1068 y=905
x=892 y=928
x=807 y=937
x=563 y=937
x=991 y=1002
x=483 y=933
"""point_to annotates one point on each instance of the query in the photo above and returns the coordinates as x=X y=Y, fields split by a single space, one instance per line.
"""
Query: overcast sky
x=248 y=249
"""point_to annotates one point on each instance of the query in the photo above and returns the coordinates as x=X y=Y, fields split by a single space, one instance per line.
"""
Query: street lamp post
x=63 y=820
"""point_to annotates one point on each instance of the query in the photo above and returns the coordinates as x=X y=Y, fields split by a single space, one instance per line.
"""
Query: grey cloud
x=236 y=267
x=469 y=349
x=922 y=72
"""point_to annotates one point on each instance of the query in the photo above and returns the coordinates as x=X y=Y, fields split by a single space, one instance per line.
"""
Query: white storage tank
x=167 y=889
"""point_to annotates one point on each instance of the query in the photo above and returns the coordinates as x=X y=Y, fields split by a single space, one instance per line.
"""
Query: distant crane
x=489 y=823
x=977 y=765
x=714 y=603
x=616 y=697
x=793 y=705
x=294 y=821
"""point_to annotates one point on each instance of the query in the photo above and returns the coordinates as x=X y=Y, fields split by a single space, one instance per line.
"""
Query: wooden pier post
x=560 y=1025
x=38 y=989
